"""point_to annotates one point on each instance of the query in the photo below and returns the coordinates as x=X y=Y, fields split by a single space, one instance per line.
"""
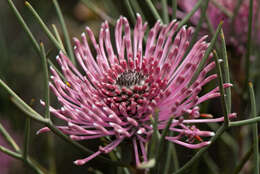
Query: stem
x=228 y=139
x=33 y=166
x=165 y=11
x=226 y=70
x=254 y=129
x=244 y=122
x=174 y=8
x=137 y=8
x=57 y=70
x=57 y=35
x=46 y=82
x=189 y=15
x=162 y=138
x=222 y=8
x=20 y=157
x=99 y=11
x=44 y=27
x=249 y=45
x=9 y=139
x=153 y=10
x=221 y=89
x=65 y=31
x=176 y=163
x=161 y=144
x=24 y=25
x=171 y=154
x=155 y=138
x=22 y=105
x=130 y=11
x=168 y=159
x=210 y=26
x=10 y=153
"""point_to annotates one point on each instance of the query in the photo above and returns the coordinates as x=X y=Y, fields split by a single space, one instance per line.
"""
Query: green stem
x=221 y=89
x=153 y=10
x=137 y=8
x=9 y=139
x=174 y=8
x=130 y=11
x=249 y=45
x=155 y=138
x=65 y=31
x=51 y=156
x=46 y=82
x=226 y=70
x=171 y=155
x=162 y=138
x=57 y=35
x=56 y=69
x=22 y=105
x=203 y=8
x=222 y=8
x=244 y=122
x=165 y=11
x=161 y=144
x=228 y=139
x=190 y=14
x=10 y=153
x=33 y=166
x=168 y=158
x=20 y=157
x=210 y=26
x=254 y=129
x=99 y=11
x=175 y=158
x=44 y=27
x=24 y=25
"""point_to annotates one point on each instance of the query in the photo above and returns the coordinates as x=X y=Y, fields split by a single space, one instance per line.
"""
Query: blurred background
x=20 y=68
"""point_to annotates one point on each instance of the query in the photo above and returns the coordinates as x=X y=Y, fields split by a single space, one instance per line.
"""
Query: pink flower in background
x=236 y=31
x=121 y=87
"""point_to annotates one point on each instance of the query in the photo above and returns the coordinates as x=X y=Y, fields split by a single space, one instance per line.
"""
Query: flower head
x=235 y=30
x=121 y=88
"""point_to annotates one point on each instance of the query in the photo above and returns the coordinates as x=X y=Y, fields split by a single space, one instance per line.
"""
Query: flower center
x=130 y=78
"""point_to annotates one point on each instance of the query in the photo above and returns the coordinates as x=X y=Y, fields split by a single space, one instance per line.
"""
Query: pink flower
x=235 y=32
x=121 y=87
